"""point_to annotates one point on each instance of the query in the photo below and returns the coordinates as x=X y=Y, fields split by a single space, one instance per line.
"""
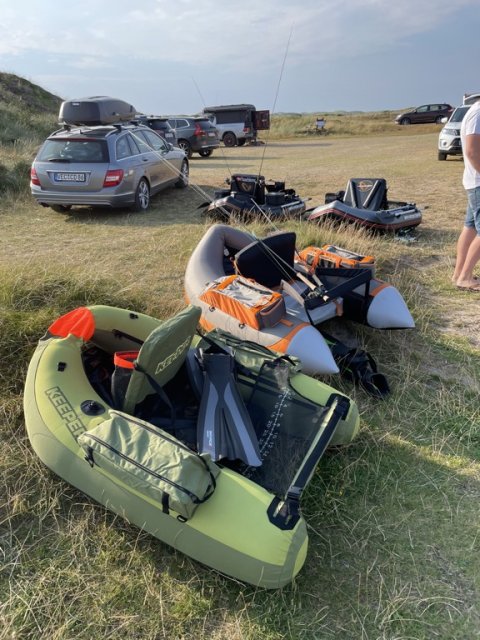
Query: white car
x=449 y=143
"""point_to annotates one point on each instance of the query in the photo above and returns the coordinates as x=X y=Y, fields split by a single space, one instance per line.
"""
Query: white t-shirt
x=470 y=124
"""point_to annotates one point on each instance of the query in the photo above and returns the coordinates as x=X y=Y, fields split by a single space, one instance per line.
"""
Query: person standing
x=468 y=244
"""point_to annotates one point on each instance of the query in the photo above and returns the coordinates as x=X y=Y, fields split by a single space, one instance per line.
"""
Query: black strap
x=165 y=500
x=121 y=334
x=212 y=478
x=284 y=514
x=159 y=390
x=359 y=366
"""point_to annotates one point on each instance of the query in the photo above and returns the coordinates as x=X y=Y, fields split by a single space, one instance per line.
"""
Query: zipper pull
x=89 y=457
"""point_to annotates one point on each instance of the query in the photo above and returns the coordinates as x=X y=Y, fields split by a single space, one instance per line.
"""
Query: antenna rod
x=276 y=95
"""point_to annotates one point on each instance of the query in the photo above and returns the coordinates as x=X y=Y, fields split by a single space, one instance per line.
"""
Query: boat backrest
x=268 y=261
x=161 y=356
x=366 y=193
x=249 y=185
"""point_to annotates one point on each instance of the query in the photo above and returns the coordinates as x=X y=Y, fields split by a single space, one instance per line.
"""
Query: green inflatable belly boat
x=126 y=408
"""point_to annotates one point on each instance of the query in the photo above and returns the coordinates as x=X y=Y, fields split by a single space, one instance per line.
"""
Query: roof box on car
x=96 y=110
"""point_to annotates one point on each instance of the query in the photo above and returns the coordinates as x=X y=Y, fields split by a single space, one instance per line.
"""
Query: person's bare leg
x=467 y=236
x=466 y=278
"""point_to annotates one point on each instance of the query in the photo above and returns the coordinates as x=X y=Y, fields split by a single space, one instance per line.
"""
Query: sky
x=171 y=57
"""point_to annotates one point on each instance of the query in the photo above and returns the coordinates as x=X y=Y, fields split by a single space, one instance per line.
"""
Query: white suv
x=449 y=143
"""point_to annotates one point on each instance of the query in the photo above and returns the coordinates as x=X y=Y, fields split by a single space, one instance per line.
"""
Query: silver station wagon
x=117 y=165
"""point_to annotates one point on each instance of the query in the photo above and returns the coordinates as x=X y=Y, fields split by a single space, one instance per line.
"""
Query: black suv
x=161 y=125
x=195 y=135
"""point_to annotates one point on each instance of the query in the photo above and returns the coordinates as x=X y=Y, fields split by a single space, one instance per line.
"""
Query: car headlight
x=451 y=132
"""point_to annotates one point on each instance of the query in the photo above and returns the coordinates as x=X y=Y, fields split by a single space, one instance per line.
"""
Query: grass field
x=393 y=518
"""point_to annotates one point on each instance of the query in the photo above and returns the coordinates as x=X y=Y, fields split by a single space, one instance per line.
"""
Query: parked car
x=449 y=143
x=238 y=123
x=425 y=113
x=120 y=165
x=195 y=135
x=161 y=125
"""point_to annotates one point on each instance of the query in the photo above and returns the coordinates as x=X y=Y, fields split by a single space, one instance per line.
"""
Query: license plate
x=69 y=177
x=211 y=134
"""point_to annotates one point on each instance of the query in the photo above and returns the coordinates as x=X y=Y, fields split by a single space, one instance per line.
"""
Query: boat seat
x=249 y=185
x=161 y=356
x=366 y=193
x=268 y=261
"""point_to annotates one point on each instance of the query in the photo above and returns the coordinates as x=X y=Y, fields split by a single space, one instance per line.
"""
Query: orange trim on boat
x=80 y=323
x=378 y=288
x=205 y=324
x=282 y=344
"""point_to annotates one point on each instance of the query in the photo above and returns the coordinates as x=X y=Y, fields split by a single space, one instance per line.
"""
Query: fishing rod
x=282 y=68
x=281 y=264
x=202 y=99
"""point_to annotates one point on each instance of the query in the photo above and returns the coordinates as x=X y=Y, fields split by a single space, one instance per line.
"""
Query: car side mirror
x=170 y=146
x=444 y=120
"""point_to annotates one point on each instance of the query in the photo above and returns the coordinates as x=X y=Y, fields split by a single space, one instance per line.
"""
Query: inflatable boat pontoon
x=364 y=202
x=250 y=197
x=267 y=292
x=120 y=405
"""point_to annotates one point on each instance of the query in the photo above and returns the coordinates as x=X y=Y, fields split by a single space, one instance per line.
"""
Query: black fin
x=224 y=428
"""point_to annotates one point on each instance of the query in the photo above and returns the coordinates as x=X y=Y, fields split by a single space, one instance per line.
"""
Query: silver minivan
x=449 y=143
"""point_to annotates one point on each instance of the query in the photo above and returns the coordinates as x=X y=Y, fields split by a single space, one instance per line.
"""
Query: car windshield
x=67 y=150
x=459 y=114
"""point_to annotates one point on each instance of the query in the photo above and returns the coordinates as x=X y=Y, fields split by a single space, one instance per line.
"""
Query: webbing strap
x=159 y=390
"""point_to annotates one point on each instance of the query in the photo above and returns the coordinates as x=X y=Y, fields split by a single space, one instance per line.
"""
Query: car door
x=423 y=114
x=129 y=159
x=182 y=128
x=166 y=169
x=141 y=160
x=154 y=169
x=437 y=112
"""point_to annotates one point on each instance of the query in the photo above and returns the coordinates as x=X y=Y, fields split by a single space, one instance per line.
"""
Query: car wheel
x=185 y=146
x=182 y=181
x=205 y=153
x=241 y=142
x=61 y=208
x=229 y=139
x=442 y=155
x=142 y=196
x=405 y=121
